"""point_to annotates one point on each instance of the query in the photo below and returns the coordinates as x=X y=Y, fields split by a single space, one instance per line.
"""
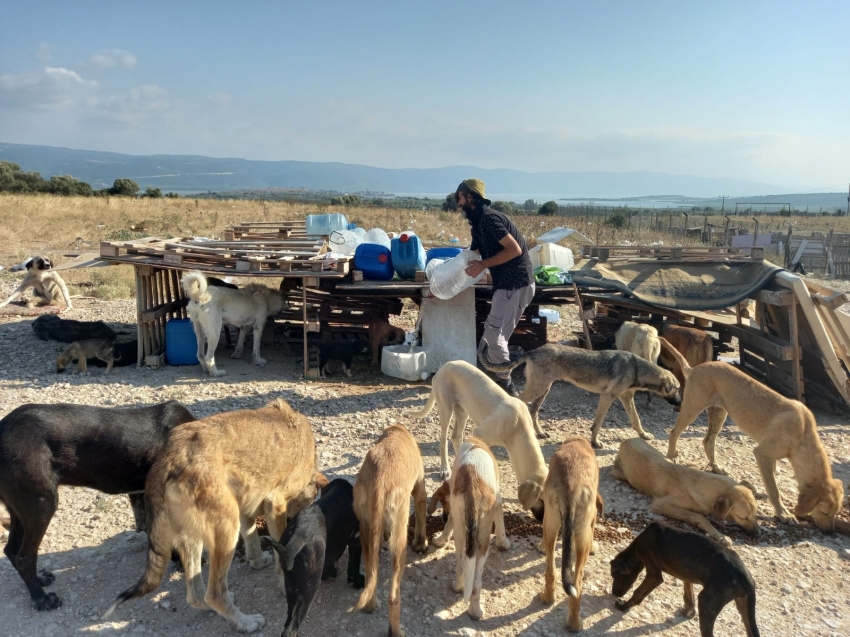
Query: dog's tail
x=499 y=368
x=425 y=410
x=567 y=552
x=160 y=542
x=371 y=535
x=195 y=286
x=751 y=614
x=683 y=364
x=287 y=553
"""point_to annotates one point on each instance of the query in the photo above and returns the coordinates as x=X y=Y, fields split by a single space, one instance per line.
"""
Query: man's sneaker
x=508 y=386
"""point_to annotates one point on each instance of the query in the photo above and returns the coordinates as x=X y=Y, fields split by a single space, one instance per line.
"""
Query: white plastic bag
x=450 y=278
x=376 y=235
x=346 y=241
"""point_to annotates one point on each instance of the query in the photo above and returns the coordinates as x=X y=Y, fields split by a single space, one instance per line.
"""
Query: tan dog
x=695 y=345
x=641 y=340
x=781 y=427
x=381 y=334
x=474 y=505
x=214 y=477
x=572 y=502
x=392 y=471
x=460 y=390
x=82 y=350
x=684 y=493
x=46 y=284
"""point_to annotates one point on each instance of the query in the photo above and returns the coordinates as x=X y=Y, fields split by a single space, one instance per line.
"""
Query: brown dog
x=381 y=333
x=781 y=427
x=473 y=502
x=684 y=493
x=392 y=471
x=572 y=502
x=213 y=478
x=82 y=350
x=695 y=345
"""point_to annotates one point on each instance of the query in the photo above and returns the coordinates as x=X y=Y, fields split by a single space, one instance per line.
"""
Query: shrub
x=618 y=220
x=124 y=188
x=549 y=208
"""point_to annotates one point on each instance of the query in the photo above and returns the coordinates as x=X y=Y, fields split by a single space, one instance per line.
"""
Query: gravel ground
x=94 y=552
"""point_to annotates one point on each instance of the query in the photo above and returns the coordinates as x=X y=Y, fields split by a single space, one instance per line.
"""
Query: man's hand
x=475 y=268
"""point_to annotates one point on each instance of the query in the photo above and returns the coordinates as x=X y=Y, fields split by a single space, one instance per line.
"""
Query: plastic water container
x=346 y=241
x=405 y=362
x=441 y=253
x=408 y=255
x=451 y=278
x=378 y=236
x=552 y=316
x=551 y=254
x=352 y=225
x=432 y=265
x=181 y=346
x=324 y=225
x=375 y=261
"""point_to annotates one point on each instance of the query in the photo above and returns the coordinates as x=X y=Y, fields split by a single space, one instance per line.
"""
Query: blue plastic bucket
x=181 y=346
x=375 y=261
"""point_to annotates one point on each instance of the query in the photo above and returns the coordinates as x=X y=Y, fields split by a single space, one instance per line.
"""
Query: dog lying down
x=692 y=559
x=50 y=327
x=312 y=544
x=343 y=351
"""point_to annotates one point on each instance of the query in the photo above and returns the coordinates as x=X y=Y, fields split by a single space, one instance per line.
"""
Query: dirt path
x=94 y=552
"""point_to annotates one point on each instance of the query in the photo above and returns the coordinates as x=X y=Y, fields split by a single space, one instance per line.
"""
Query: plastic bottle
x=376 y=235
x=450 y=278
x=432 y=265
x=346 y=241
x=324 y=225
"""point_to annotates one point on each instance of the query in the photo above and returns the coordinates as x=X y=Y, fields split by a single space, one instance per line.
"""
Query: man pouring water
x=503 y=251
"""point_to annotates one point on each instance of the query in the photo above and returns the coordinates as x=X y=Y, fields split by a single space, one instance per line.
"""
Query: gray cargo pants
x=505 y=312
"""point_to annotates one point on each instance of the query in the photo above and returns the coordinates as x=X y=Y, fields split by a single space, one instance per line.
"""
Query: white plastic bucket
x=405 y=362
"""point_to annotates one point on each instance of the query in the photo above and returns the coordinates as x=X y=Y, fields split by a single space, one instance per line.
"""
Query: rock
x=786 y=589
x=844 y=554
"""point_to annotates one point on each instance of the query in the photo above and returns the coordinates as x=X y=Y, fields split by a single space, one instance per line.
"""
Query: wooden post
x=796 y=373
x=588 y=343
x=140 y=348
x=304 y=324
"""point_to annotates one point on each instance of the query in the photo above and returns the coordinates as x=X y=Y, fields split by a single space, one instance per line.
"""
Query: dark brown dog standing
x=381 y=333
x=694 y=345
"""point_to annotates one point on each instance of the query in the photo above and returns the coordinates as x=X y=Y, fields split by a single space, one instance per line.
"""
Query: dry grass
x=57 y=226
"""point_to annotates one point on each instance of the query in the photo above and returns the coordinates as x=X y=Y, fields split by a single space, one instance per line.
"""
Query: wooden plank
x=775 y=347
x=773 y=297
x=799 y=252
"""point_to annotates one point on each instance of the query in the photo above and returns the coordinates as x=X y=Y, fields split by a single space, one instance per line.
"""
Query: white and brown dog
x=46 y=285
x=473 y=503
x=246 y=308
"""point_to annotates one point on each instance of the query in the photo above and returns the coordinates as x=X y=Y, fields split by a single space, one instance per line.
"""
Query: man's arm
x=510 y=250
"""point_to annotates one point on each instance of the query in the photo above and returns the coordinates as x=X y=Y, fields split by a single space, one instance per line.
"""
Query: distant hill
x=192 y=173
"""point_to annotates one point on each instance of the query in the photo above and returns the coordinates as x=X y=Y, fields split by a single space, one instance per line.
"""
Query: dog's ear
x=29 y=263
x=600 y=506
x=722 y=507
x=808 y=498
x=321 y=481
x=529 y=492
x=441 y=496
x=749 y=485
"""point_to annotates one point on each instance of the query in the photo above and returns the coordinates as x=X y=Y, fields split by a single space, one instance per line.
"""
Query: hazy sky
x=753 y=90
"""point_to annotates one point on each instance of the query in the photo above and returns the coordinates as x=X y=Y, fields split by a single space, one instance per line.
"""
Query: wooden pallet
x=227 y=256
x=249 y=230
x=609 y=253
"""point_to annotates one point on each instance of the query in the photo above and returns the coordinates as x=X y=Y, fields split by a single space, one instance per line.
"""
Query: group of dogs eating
x=201 y=484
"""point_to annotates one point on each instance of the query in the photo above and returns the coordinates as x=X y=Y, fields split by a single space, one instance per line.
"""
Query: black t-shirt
x=489 y=226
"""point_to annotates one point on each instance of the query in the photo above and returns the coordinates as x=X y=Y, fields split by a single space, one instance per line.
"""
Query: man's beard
x=465 y=210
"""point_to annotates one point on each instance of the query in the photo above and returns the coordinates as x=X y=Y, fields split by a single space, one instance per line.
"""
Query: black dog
x=125 y=354
x=51 y=327
x=344 y=351
x=44 y=446
x=694 y=559
x=312 y=544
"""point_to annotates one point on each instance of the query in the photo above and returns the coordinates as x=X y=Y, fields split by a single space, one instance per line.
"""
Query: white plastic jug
x=433 y=264
x=346 y=241
x=324 y=225
x=376 y=235
x=450 y=278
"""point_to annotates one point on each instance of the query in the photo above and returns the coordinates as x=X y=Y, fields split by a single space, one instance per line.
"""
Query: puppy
x=51 y=327
x=246 y=308
x=82 y=350
x=475 y=504
x=209 y=483
x=312 y=544
x=460 y=390
x=781 y=427
x=611 y=374
x=44 y=446
x=381 y=333
x=694 y=560
x=344 y=351
x=572 y=501
x=695 y=345
x=641 y=340
x=684 y=493
x=392 y=471
x=46 y=285
x=124 y=354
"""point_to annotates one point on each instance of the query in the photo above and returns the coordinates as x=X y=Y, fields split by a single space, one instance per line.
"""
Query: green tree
x=124 y=188
x=618 y=220
x=506 y=207
x=153 y=193
x=549 y=208
x=449 y=205
x=172 y=195
x=67 y=185
x=530 y=205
